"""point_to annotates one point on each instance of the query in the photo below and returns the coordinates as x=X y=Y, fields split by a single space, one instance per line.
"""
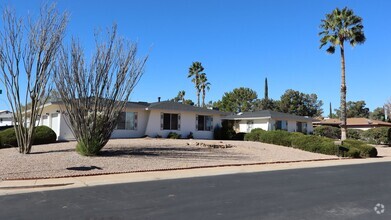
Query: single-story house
x=6 y=118
x=144 y=119
x=353 y=123
x=270 y=120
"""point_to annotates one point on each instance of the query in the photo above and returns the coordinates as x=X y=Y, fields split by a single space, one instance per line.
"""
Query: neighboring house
x=270 y=120
x=144 y=119
x=6 y=118
x=354 y=123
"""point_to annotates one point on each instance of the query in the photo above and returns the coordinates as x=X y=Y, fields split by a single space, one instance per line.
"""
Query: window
x=127 y=121
x=204 y=123
x=299 y=126
x=281 y=125
x=170 y=121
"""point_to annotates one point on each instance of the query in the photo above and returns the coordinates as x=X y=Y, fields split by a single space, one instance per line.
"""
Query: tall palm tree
x=204 y=85
x=194 y=71
x=341 y=26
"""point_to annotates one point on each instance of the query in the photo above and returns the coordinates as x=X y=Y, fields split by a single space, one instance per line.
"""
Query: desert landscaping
x=146 y=154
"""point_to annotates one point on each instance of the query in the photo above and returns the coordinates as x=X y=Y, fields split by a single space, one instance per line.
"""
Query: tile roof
x=354 y=122
x=168 y=105
x=267 y=114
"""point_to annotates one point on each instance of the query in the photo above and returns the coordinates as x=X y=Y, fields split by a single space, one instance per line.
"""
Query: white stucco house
x=144 y=119
x=269 y=120
x=6 y=118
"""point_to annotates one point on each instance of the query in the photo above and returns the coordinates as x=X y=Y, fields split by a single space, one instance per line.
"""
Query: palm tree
x=204 y=85
x=339 y=27
x=181 y=96
x=194 y=71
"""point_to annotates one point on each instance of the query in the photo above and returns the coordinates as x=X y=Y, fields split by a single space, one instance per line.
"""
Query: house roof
x=165 y=105
x=353 y=122
x=177 y=106
x=266 y=114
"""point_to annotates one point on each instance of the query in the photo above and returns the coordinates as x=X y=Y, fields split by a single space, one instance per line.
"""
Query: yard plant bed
x=133 y=155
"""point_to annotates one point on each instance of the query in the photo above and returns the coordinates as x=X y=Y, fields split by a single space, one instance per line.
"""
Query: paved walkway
x=25 y=186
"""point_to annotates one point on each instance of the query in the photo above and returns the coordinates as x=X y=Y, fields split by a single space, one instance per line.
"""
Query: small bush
x=158 y=136
x=354 y=134
x=380 y=135
x=173 y=135
x=44 y=135
x=254 y=135
x=364 y=149
x=227 y=131
x=328 y=131
x=217 y=133
x=190 y=136
x=8 y=138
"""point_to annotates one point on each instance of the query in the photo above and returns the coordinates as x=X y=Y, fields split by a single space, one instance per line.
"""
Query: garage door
x=56 y=123
x=45 y=120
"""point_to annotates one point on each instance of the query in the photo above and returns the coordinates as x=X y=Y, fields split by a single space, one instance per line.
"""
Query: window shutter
x=135 y=121
x=179 y=122
x=211 y=123
x=196 y=123
x=161 y=121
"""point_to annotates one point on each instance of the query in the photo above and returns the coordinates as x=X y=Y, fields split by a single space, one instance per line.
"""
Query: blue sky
x=240 y=43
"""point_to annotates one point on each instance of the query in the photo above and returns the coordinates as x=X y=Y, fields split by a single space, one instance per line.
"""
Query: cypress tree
x=266 y=90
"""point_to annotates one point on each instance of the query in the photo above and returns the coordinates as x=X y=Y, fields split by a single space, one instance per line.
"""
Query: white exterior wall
x=257 y=123
x=188 y=124
x=6 y=119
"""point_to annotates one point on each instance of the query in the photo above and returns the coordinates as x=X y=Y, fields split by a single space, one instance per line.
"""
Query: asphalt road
x=341 y=192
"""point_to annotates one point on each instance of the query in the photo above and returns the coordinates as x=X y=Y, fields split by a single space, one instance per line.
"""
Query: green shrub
x=190 y=136
x=44 y=135
x=278 y=137
x=227 y=131
x=254 y=135
x=354 y=134
x=328 y=131
x=217 y=133
x=8 y=138
x=173 y=135
x=364 y=149
x=314 y=144
x=380 y=135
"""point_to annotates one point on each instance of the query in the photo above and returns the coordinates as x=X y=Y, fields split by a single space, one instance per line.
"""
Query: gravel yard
x=129 y=155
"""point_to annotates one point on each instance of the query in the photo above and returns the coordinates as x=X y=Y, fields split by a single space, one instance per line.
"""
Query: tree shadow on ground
x=54 y=151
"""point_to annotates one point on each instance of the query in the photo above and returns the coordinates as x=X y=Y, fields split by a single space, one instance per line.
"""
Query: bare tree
x=28 y=48
x=94 y=94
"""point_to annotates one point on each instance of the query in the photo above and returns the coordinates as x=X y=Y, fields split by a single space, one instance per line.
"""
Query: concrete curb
x=174 y=169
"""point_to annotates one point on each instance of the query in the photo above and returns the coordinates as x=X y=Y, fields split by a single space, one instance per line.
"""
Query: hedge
x=312 y=143
x=365 y=149
x=315 y=144
x=328 y=131
x=354 y=134
x=381 y=135
x=42 y=135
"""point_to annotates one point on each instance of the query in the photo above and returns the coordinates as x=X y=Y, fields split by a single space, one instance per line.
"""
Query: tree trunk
x=198 y=98
x=203 y=98
x=343 y=95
